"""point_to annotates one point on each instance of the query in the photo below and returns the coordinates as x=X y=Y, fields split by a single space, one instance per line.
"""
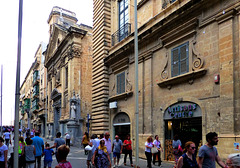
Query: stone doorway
x=121 y=125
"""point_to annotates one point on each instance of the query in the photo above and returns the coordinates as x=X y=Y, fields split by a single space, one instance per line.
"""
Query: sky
x=34 y=31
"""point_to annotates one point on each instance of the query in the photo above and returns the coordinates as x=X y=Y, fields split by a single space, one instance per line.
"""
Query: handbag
x=154 y=150
x=124 y=150
x=89 y=148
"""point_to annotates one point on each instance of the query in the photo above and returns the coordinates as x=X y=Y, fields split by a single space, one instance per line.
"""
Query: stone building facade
x=25 y=99
x=69 y=64
x=32 y=100
x=188 y=70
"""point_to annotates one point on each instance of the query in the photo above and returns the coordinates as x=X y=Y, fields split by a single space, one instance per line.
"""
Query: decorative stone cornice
x=190 y=76
x=124 y=95
x=180 y=32
x=225 y=15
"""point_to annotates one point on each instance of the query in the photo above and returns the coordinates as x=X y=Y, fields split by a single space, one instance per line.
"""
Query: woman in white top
x=148 y=151
x=233 y=160
x=157 y=144
x=3 y=154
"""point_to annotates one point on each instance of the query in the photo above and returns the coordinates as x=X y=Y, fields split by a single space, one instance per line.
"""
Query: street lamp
x=136 y=80
x=88 y=123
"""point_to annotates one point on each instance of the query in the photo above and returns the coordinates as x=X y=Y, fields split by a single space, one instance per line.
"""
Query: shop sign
x=182 y=110
x=121 y=118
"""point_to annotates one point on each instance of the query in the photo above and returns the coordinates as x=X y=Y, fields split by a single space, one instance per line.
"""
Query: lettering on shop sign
x=182 y=111
x=121 y=120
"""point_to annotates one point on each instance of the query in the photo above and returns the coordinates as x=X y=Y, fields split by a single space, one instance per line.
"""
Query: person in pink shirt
x=62 y=153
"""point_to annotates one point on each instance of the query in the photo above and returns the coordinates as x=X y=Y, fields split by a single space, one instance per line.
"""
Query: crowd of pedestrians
x=31 y=150
x=101 y=151
x=186 y=158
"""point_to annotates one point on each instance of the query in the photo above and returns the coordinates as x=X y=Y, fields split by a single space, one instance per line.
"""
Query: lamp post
x=17 y=91
x=136 y=81
x=88 y=121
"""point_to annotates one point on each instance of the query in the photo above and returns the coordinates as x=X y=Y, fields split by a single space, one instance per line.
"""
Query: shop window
x=179 y=60
x=121 y=83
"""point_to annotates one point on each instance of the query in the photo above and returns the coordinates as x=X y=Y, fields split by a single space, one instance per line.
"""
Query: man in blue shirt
x=117 y=149
x=39 y=145
x=208 y=155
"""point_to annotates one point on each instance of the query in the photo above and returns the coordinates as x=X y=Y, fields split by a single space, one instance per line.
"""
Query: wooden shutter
x=121 y=83
x=175 y=62
x=184 y=58
x=179 y=60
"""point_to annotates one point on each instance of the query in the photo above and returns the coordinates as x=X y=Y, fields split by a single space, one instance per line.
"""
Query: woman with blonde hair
x=188 y=159
x=148 y=151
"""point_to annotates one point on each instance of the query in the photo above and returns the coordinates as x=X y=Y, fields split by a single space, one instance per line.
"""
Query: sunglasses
x=193 y=147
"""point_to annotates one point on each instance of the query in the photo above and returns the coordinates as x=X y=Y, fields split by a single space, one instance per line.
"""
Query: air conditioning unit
x=113 y=105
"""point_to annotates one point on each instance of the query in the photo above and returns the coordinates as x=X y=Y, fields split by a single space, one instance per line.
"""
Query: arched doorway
x=185 y=120
x=121 y=125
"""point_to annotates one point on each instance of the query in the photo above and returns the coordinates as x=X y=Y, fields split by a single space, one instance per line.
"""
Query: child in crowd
x=48 y=152
x=30 y=152
x=62 y=153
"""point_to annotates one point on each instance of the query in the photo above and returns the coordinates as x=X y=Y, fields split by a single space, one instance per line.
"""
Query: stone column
x=226 y=60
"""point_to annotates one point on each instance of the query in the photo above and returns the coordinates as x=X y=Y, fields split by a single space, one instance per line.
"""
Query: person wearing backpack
x=176 y=144
x=22 y=162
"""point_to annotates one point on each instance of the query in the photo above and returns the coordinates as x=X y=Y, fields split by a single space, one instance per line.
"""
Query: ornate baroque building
x=69 y=63
x=188 y=71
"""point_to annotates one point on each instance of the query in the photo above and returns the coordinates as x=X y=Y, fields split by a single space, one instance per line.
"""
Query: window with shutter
x=179 y=60
x=121 y=83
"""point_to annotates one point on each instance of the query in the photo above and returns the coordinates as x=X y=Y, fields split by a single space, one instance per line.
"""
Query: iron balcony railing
x=166 y=2
x=119 y=35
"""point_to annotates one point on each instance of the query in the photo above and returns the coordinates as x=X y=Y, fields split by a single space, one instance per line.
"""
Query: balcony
x=122 y=33
x=165 y=3
x=36 y=77
x=35 y=64
x=26 y=105
x=35 y=106
x=35 y=90
x=22 y=111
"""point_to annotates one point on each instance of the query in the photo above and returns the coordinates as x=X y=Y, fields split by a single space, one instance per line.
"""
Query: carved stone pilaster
x=75 y=51
x=164 y=73
x=197 y=60
x=128 y=83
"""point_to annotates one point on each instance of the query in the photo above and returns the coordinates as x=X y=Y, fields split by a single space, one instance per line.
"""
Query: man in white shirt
x=68 y=139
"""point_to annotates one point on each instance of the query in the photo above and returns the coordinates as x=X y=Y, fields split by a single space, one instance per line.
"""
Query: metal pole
x=88 y=123
x=136 y=80
x=46 y=110
x=17 y=91
x=1 y=95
